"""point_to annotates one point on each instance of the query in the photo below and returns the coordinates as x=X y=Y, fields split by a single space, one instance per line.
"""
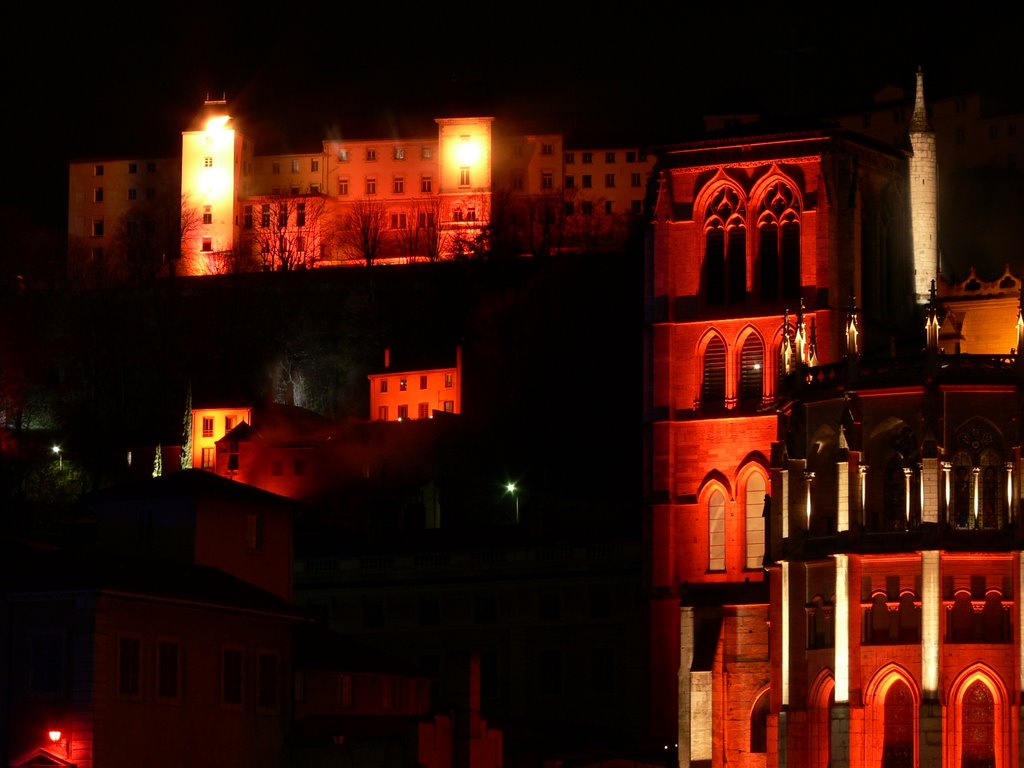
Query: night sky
x=90 y=82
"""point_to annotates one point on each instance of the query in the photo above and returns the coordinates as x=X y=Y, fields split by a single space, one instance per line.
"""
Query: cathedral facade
x=832 y=467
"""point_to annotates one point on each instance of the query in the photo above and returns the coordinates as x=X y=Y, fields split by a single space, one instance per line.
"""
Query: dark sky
x=106 y=83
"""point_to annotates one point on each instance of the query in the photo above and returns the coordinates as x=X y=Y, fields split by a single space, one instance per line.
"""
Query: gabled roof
x=188 y=483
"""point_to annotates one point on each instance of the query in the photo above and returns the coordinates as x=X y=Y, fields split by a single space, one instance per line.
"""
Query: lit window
x=716 y=532
x=545 y=180
x=371 y=185
x=403 y=384
x=208 y=460
x=449 y=380
x=464 y=176
x=295 y=166
x=342 y=155
x=609 y=179
x=754 y=503
x=207 y=244
x=342 y=186
x=399 y=186
x=207 y=214
x=97 y=195
x=371 y=154
x=314 y=165
x=609 y=157
x=207 y=162
x=399 y=153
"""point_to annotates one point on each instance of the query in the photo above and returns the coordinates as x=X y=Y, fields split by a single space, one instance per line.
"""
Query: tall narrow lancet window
x=898 y=745
x=755 y=520
x=979 y=479
x=716 y=532
x=712 y=392
x=778 y=247
x=724 y=271
x=978 y=727
x=751 y=372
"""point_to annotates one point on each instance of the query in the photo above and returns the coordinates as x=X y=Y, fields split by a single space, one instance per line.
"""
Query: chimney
x=387 y=357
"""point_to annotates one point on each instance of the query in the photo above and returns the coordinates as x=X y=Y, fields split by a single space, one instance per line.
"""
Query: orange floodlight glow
x=217 y=123
x=468 y=151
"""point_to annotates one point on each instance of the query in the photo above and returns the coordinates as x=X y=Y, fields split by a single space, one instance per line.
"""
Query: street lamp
x=60 y=457
x=511 y=488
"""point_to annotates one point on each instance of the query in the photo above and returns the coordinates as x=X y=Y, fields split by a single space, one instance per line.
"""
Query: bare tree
x=431 y=237
x=284 y=233
x=361 y=230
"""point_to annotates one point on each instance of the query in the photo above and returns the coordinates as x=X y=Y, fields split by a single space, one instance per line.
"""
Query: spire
x=919 y=120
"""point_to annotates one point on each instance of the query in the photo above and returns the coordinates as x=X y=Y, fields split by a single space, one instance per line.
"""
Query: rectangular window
x=586 y=207
x=314 y=189
x=150 y=167
x=545 y=181
x=168 y=681
x=588 y=157
x=464 y=176
x=266 y=680
x=254 y=531
x=423 y=381
x=716 y=532
x=382 y=413
x=371 y=185
x=398 y=220
x=342 y=155
x=399 y=153
x=425 y=219
x=207 y=244
x=133 y=193
x=383 y=385
x=587 y=181
x=275 y=167
x=517 y=182
x=569 y=208
x=570 y=158
x=208 y=162
x=631 y=157
x=265 y=215
x=314 y=165
x=371 y=154
x=609 y=179
x=229 y=423
x=403 y=412
x=608 y=207
x=208 y=458
x=423 y=411
x=399 y=185
x=282 y=215
x=636 y=207
x=207 y=214
x=342 y=186
x=570 y=182
x=635 y=180
x=300 y=244
x=425 y=184
x=247 y=217
x=129 y=661
x=449 y=379
x=97 y=170
x=97 y=195
x=133 y=168
x=449 y=406
x=207 y=426
x=300 y=215
x=609 y=157
x=231 y=677
x=545 y=149
x=426 y=153
x=403 y=385
x=295 y=166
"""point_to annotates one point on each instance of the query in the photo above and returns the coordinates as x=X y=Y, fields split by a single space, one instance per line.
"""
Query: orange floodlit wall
x=208 y=426
x=210 y=161
x=415 y=394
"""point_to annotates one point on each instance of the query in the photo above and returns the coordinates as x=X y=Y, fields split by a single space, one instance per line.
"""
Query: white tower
x=923 y=197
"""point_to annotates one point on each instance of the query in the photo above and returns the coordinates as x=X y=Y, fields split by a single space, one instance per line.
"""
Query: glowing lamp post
x=55 y=739
x=60 y=467
x=511 y=488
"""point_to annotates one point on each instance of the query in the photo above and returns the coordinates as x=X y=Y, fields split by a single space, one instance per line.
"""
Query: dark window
x=898 y=749
x=231 y=676
x=713 y=385
x=129 y=653
x=167 y=669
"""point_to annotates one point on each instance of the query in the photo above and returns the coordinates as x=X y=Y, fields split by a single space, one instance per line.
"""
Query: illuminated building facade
x=468 y=187
x=833 y=467
x=417 y=393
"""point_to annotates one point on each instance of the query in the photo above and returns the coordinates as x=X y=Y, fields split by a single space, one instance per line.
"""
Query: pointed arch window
x=716 y=532
x=724 y=270
x=759 y=725
x=713 y=385
x=898 y=745
x=778 y=248
x=978 y=724
x=979 y=480
x=752 y=372
x=754 y=503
